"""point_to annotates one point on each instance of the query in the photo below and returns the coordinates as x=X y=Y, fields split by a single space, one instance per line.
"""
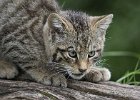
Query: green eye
x=91 y=54
x=72 y=53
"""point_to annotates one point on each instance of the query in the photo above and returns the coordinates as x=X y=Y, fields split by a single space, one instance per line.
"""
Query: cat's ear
x=100 y=23
x=58 y=23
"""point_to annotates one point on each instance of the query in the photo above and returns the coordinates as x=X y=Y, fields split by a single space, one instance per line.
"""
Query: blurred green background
x=123 y=34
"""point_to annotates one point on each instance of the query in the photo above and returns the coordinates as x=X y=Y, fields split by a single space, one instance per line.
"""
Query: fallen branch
x=77 y=90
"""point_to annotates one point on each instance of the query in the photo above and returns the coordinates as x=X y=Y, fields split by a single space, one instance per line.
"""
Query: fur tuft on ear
x=101 y=22
x=59 y=23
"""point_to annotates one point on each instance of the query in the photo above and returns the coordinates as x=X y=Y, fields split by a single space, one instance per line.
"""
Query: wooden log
x=77 y=90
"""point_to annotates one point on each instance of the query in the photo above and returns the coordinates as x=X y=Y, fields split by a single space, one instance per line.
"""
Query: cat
x=39 y=38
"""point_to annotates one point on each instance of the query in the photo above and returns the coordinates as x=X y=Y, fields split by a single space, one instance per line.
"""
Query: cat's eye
x=91 y=54
x=72 y=53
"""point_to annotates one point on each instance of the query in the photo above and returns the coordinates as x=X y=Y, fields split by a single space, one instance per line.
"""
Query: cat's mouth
x=76 y=75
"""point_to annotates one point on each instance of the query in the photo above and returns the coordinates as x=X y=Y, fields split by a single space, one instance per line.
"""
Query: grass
x=128 y=77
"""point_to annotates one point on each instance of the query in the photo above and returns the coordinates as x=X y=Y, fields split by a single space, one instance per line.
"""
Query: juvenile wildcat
x=47 y=43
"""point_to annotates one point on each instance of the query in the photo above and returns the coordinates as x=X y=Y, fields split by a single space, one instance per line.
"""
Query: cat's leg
x=7 y=69
x=48 y=75
x=98 y=74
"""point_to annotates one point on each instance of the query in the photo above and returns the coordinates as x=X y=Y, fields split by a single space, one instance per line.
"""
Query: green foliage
x=130 y=76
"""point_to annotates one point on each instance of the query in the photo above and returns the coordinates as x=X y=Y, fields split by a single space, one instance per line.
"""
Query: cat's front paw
x=56 y=80
x=106 y=74
x=7 y=70
x=97 y=75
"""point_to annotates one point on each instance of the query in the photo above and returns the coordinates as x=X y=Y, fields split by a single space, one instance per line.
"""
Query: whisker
x=102 y=29
x=57 y=73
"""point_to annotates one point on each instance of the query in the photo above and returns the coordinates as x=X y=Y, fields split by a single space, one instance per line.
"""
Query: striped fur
x=37 y=37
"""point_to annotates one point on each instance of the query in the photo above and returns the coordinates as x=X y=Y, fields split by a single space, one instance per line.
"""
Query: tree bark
x=77 y=90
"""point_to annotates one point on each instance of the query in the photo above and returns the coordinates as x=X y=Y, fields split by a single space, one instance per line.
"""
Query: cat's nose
x=82 y=70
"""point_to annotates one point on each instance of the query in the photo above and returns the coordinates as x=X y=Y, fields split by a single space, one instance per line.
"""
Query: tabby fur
x=47 y=43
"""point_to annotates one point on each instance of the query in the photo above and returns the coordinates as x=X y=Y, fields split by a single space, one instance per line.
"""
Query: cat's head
x=76 y=40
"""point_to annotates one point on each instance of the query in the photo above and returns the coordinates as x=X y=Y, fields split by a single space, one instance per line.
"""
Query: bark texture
x=77 y=90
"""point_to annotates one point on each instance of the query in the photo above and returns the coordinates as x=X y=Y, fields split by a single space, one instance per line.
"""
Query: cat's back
x=22 y=20
x=16 y=12
x=16 y=15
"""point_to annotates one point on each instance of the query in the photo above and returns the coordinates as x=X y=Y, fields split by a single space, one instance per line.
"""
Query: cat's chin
x=76 y=76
